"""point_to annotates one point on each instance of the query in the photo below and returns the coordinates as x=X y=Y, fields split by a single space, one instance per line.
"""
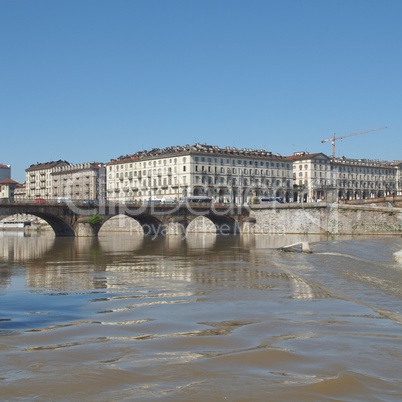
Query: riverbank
x=334 y=219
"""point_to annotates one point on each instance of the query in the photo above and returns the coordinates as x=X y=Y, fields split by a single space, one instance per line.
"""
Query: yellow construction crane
x=333 y=138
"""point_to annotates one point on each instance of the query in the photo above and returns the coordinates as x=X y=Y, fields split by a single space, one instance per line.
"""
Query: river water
x=205 y=318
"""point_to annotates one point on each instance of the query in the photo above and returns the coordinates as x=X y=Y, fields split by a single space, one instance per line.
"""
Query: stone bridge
x=73 y=219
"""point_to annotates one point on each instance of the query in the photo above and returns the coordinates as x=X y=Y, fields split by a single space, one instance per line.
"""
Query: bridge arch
x=60 y=226
x=142 y=224
x=150 y=225
x=121 y=223
x=218 y=224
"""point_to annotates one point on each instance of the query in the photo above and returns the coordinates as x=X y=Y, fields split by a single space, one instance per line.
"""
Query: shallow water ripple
x=226 y=321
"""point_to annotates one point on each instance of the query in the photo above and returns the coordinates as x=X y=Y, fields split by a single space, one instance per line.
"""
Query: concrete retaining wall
x=332 y=219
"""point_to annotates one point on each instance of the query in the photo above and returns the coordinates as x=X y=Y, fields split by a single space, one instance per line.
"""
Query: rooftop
x=196 y=149
x=8 y=181
x=47 y=165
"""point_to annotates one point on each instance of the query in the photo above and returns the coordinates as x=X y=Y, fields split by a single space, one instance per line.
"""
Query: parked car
x=89 y=202
x=40 y=201
x=63 y=200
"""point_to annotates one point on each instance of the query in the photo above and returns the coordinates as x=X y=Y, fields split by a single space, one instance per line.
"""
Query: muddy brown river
x=205 y=318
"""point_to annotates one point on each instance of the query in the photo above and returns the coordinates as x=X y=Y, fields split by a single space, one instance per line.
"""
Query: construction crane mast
x=333 y=138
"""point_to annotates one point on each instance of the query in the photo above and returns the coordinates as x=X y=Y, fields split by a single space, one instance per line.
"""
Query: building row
x=227 y=175
x=7 y=185
x=60 y=180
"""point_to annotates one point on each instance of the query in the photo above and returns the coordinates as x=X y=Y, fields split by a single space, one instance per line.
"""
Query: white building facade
x=398 y=166
x=7 y=188
x=318 y=177
x=311 y=176
x=227 y=175
x=38 y=179
x=82 y=181
x=363 y=179
x=62 y=180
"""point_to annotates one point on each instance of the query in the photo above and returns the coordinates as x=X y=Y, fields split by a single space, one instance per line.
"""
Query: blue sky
x=91 y=80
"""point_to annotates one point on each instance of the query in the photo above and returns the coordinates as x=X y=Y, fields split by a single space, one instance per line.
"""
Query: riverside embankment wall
x=332 y=219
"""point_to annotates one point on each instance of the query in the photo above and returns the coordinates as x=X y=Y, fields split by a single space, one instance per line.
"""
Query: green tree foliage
x=95 y=219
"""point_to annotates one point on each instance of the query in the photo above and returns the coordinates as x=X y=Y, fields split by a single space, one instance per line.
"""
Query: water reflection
x=201 y=240
x=69 y=264
x=117 y=243
x=114 y=260
x=204 y=317
x=18 y=246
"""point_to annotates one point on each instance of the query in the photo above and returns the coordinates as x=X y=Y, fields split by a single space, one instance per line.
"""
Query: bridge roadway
x=72 y=218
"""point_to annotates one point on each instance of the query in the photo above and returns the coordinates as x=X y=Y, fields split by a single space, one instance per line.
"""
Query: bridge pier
x=248 y=225
x=85 y=229
x=176 y=226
